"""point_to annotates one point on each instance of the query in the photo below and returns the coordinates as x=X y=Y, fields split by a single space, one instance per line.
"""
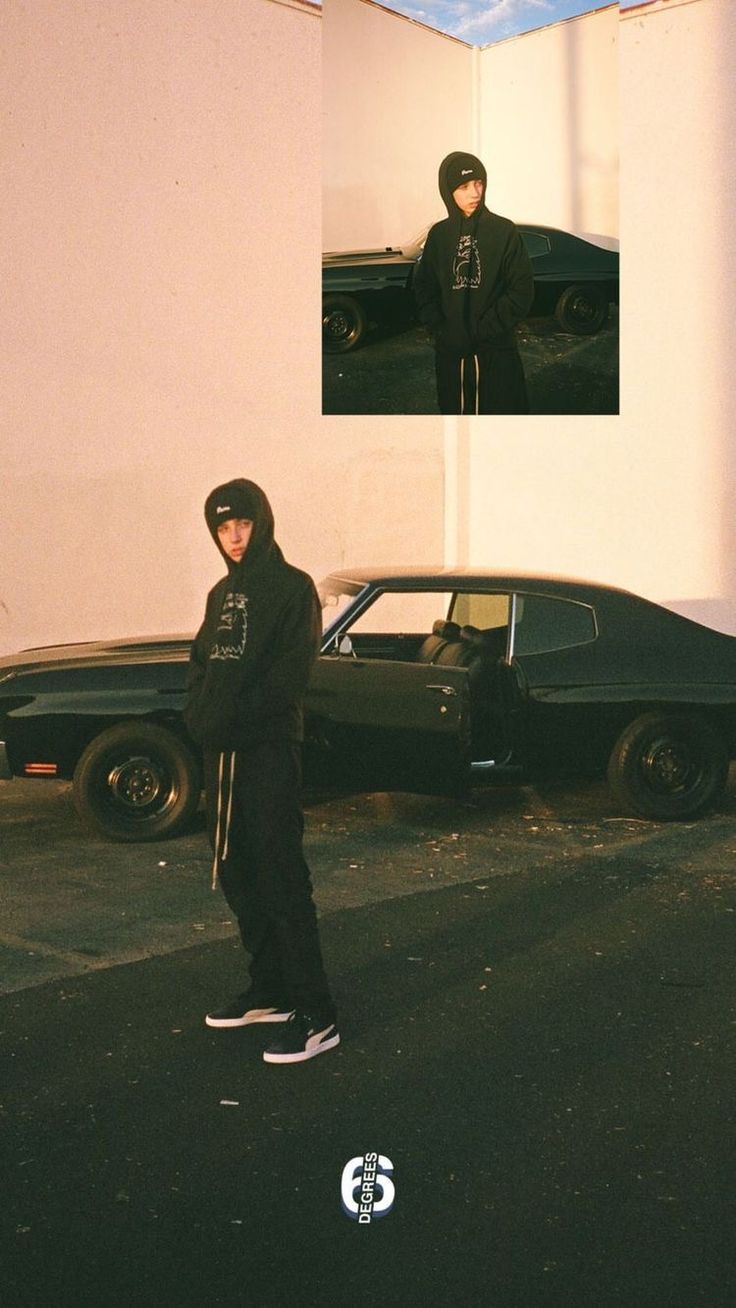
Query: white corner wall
x=398 y=97
x=549 y=125
x=644 y=500
x=541 y=110
x=160 y=317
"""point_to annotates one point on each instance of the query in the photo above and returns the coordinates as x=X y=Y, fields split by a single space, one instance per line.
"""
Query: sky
x=482 y=21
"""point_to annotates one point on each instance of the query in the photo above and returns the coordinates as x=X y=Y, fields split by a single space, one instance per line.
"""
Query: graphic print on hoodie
x=474 y=281
x=251 y=659
x=232 y=631
x=466 y=265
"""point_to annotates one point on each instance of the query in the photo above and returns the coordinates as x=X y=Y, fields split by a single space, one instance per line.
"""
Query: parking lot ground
x=393 y=371
x=538 y=1009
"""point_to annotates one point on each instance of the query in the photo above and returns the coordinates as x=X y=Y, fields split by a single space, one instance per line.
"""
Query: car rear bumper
x=5 y=773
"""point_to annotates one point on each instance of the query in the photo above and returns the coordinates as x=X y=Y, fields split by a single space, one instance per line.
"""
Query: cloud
x=444 y=14
x=479 y=20
x=501 y=13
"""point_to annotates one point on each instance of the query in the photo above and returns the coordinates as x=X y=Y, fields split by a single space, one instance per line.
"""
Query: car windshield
x=413 y=248
x=335 y=593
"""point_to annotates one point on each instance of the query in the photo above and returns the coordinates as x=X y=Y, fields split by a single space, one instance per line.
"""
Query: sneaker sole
x=302 y=1055
x=253 y=1015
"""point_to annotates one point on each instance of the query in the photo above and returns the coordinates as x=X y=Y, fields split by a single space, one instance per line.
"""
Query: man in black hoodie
x=249 y=667
x=472 y=285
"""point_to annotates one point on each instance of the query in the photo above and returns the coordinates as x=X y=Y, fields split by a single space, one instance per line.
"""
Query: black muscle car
x=574 y=279
x=428 y=681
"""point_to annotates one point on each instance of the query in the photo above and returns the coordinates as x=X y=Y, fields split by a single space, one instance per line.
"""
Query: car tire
x=136 y=782
x=344 y=323
x=582 y=310
x=668 y=766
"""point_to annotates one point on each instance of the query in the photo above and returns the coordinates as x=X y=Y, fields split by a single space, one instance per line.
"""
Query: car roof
x=618 y=603
x=423 y=577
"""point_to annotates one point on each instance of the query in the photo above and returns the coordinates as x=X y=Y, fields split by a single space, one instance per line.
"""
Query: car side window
x=543 y=623
x=402 y=611
x=485 y=611
x=536 y=244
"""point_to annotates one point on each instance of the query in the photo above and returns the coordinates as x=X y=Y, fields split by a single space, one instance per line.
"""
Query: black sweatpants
x=491 y=381
x=264 y=876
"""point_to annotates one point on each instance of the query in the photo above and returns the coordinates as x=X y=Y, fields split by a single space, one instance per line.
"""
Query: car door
x=495 y=684
x=380 y=724
x=553 y=654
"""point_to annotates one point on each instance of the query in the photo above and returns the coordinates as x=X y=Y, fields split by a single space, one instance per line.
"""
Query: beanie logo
x=464 y=171
x=223 y=508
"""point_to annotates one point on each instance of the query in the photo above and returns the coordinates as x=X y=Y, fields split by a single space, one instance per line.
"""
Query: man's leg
x=276 y=880
x=502 y=383
x=448 y=374
x=239 y=884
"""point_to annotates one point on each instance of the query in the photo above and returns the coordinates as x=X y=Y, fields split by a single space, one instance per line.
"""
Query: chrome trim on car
x=479 y=766
x=512 y=627
x=5 y=773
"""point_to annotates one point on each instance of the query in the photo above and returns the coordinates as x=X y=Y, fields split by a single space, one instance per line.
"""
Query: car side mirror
x=346 y=647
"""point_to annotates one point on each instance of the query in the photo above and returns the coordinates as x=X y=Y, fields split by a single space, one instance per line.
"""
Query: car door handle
x=443 y=690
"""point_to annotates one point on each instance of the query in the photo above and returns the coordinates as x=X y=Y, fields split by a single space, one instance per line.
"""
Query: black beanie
x=233 y=500
x=464 y=168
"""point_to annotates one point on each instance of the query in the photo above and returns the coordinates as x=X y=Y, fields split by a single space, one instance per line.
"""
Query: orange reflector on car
x=41 y=769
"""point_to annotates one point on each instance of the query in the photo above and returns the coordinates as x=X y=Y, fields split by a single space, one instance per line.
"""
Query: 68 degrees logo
x=366 y=1188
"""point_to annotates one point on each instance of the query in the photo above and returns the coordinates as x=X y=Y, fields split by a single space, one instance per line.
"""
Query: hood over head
x=241 y=498
x=455 y=169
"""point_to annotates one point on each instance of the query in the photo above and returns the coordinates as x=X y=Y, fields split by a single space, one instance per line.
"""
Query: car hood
x=334 y=259
x=136 y=649
x=587 y=250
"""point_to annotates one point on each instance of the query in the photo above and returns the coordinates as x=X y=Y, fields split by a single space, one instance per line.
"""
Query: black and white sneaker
x=249 y=1008
x=304 y=1037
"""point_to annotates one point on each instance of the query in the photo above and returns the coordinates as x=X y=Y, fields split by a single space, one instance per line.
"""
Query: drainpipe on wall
x=457 y=491
x=476 y=105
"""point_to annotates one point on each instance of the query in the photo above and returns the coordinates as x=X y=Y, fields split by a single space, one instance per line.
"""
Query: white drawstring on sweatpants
x=221 y=854
x=462 y=384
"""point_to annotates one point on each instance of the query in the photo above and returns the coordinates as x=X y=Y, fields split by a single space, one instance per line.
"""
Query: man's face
x=469 y=196
x=234 y=535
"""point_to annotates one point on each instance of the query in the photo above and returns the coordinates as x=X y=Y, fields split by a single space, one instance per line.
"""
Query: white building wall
x=644 y=500
x=160 y=317
x=161 y=330
x=398 y=97
x=549 y=126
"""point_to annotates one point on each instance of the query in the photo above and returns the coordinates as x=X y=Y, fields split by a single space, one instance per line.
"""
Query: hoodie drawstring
x=221 y=853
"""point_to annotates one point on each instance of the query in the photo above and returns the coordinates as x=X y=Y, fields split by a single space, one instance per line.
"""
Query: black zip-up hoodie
x=474 y=281
x=251 y=658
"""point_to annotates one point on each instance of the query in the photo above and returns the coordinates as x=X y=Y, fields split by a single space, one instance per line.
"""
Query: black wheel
x=137 y=781
x=668 y=766
x=344 y=323
x=582 y=310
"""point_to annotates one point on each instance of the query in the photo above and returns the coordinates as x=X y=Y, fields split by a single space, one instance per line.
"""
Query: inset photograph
x=470 y=209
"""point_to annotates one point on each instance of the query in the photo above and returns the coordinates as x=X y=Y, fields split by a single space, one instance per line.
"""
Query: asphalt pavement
x=538 y=1014
x=393 y=371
